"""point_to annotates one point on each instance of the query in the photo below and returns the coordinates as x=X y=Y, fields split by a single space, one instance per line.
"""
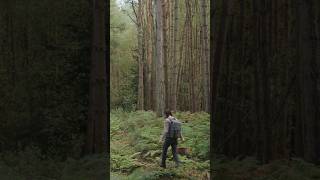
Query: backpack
x=174 y=128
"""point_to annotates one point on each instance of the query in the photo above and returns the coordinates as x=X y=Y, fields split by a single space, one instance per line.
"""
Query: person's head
x=167 y=113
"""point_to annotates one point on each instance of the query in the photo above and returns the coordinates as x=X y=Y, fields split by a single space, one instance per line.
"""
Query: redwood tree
x=97 y=115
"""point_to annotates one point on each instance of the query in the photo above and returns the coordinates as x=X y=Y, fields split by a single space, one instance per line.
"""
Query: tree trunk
x=160 y=84
x=140 y=27
x=175 y=57
x=307 y=84
x=97 y=115
x=215 y=71
x=205 y=54
x=149 y=55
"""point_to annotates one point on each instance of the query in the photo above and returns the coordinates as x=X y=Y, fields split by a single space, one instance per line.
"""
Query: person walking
x=169 y=137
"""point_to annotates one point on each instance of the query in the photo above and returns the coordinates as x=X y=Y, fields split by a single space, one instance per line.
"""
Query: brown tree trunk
x=149 y=54
x=175 y=57
x=140 y=37
x=97 y=122
x=307 y=84
x=160 y=81
x=215 y=139
x=205 y=54
x=165 y=50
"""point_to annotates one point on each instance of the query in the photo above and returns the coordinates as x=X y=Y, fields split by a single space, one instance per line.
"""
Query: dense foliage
x=123 y=67
x=44 y=80
x=135 y=150
x=44 y=85
x=32 y=164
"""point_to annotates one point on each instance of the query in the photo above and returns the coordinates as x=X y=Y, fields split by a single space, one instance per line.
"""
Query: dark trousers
x=173 y=142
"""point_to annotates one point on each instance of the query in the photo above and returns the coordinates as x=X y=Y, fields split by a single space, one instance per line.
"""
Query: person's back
x=174 y=130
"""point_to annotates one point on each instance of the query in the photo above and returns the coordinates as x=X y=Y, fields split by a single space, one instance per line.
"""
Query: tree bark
x=175 y=57
x=149 y=54
x=97 y=116
x=215 y=71
x=307 y=85
x=205 y=54
x=140 y=105
x=165 y=51
x=160 y=81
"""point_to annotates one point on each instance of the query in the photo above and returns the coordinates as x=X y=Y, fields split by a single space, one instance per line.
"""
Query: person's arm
x=165 y=130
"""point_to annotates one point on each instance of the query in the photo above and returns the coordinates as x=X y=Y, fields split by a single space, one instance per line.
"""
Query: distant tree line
x=173 y=54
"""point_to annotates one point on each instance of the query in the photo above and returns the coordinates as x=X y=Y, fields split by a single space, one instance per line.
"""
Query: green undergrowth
x=32 y=164
x=136 y=151
x=249 y=169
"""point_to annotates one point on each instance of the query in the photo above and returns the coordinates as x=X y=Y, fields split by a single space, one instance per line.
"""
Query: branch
x=134 y=10
x=134 y=21
x=116 y=27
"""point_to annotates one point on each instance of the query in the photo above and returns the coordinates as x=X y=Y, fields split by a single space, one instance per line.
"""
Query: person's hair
x=167 y=113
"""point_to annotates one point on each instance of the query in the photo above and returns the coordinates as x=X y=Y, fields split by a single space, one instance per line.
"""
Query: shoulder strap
x=169 y=128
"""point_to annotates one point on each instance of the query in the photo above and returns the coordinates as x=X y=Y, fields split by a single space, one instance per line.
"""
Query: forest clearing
x=135 y=150
x=159 y=60
x=135 y=153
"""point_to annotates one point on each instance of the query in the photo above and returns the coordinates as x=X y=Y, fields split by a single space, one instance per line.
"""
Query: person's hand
x=160 y=141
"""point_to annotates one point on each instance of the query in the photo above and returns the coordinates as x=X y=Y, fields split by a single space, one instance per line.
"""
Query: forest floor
x=135 y=155
x=136 y=151
x=31 y=164
x=249 y=169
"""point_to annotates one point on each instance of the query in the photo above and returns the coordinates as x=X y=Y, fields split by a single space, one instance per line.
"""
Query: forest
x=45 y=71
x=242 y=76
x=159 y=60
x=163 y=50
x=265 y=88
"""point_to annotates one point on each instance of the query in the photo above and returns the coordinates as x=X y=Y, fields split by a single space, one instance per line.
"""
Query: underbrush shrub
x=140 y=131
x=31 y=163
x=250 y=169
x=89 y=167
x=123 y=163
x=141 y=174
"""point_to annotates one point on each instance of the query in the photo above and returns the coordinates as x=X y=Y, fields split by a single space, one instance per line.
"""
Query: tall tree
x=268 y=79
x=140 y=29
x=97 y=116
x=149 y=55
x=215 y=70
x=165 y=12
x=205 y=54
x=307 y=82
x=160 y=81
x=175 y=56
